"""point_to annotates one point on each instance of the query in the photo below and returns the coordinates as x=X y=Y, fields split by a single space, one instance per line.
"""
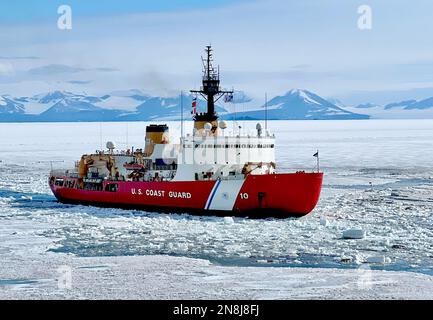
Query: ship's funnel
x=156 y=134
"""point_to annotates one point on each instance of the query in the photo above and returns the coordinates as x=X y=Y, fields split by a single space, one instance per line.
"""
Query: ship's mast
x=210 y=89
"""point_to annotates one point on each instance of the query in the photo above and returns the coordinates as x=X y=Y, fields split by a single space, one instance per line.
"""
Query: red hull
x=291 y=194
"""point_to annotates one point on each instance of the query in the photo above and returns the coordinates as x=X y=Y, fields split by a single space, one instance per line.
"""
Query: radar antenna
x=210 y=89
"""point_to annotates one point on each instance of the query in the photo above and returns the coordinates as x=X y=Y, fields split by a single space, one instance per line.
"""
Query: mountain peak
x=300 y=104
x=297 y=92
x=301 y=96
x=52 y=96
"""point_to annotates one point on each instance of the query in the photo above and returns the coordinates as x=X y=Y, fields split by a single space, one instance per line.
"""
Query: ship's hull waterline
x=257 y=196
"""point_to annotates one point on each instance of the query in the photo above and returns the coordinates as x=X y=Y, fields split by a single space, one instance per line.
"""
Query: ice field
x=378 y=178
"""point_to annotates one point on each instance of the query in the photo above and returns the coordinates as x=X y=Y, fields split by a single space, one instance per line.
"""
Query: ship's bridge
x=231 y=157
x=227 y=150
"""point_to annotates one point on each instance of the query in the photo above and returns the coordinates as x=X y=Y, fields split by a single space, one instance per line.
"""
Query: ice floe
x=355 y=233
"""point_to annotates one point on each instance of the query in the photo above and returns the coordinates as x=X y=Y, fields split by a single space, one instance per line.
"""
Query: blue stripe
x=213 y=194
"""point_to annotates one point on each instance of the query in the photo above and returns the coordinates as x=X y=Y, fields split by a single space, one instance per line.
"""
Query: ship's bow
x=287 y=194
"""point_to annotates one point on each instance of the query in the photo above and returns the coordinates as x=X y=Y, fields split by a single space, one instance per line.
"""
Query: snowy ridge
x=407 y=109
x=134 y=104
x=10 y=106
x=127 y=105
x=298 y=104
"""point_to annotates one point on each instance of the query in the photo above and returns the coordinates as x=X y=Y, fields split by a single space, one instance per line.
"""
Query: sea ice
x=355 y=233
x=323 y=221
x=376 y=259
x=228 y=220
x=34 y=226
x=164 y=277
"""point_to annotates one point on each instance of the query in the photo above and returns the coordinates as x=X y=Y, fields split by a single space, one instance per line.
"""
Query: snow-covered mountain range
x=117 y=106
x=132 y=105
x=407 y=109
x=298 y=104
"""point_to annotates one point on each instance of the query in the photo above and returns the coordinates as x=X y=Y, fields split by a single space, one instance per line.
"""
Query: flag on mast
x=316 y=155
x=194 y=106
x=228 y=97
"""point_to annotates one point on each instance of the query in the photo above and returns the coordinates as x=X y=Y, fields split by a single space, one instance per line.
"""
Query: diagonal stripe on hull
x=224 y=195
x=212 y=194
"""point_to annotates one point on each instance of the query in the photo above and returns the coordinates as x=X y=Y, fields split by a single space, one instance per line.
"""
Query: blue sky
x=262 y=46
x=25 y=11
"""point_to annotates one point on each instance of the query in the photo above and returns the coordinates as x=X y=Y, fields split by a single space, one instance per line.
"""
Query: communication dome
x=208 y=126
x=111 y=145
x=223 y=125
